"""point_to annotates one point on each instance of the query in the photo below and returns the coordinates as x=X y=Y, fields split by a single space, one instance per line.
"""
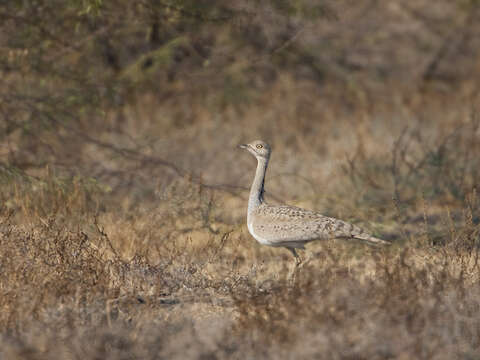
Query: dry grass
x=160 y=265
x=123 y=197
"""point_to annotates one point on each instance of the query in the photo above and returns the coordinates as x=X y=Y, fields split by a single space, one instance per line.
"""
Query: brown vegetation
x=123 y=198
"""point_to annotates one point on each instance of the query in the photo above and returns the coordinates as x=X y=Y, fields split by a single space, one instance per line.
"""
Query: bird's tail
x=345 y=230
x=371 y=239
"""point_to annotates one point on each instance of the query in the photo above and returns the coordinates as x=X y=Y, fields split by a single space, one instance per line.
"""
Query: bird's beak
x=243 y=146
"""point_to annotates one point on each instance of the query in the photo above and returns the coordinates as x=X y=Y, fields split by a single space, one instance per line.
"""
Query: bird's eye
x=259 y=146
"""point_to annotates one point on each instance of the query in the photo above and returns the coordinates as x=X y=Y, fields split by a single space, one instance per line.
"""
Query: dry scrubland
x=167 y=269
x=122 y=227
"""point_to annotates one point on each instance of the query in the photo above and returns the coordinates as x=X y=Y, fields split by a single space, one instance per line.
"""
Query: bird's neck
x=256 y=191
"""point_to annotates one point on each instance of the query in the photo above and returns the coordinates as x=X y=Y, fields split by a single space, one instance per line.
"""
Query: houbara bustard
x=289 y=226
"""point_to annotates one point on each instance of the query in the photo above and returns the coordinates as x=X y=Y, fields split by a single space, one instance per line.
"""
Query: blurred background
x=370 y=106
x=137 y=94
x=119 y=122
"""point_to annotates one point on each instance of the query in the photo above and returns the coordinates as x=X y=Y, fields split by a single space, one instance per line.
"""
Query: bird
x=289 y=226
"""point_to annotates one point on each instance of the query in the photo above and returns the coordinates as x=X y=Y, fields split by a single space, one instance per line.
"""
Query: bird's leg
x=298 y=259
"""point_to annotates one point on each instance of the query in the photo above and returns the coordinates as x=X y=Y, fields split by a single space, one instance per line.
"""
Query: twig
x=104 y=235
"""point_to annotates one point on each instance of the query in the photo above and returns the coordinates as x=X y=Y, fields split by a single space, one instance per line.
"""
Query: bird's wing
x=289 y=225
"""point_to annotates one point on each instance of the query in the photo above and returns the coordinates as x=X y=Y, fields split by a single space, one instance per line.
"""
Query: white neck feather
x=256 y=191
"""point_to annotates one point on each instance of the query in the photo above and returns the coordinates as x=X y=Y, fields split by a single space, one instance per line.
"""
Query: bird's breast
x=256 y=235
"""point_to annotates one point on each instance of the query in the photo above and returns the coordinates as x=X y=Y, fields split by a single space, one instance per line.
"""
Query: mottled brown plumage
x=290 y=226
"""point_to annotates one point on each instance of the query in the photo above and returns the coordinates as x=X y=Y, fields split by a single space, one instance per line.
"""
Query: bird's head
x=257 y=148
